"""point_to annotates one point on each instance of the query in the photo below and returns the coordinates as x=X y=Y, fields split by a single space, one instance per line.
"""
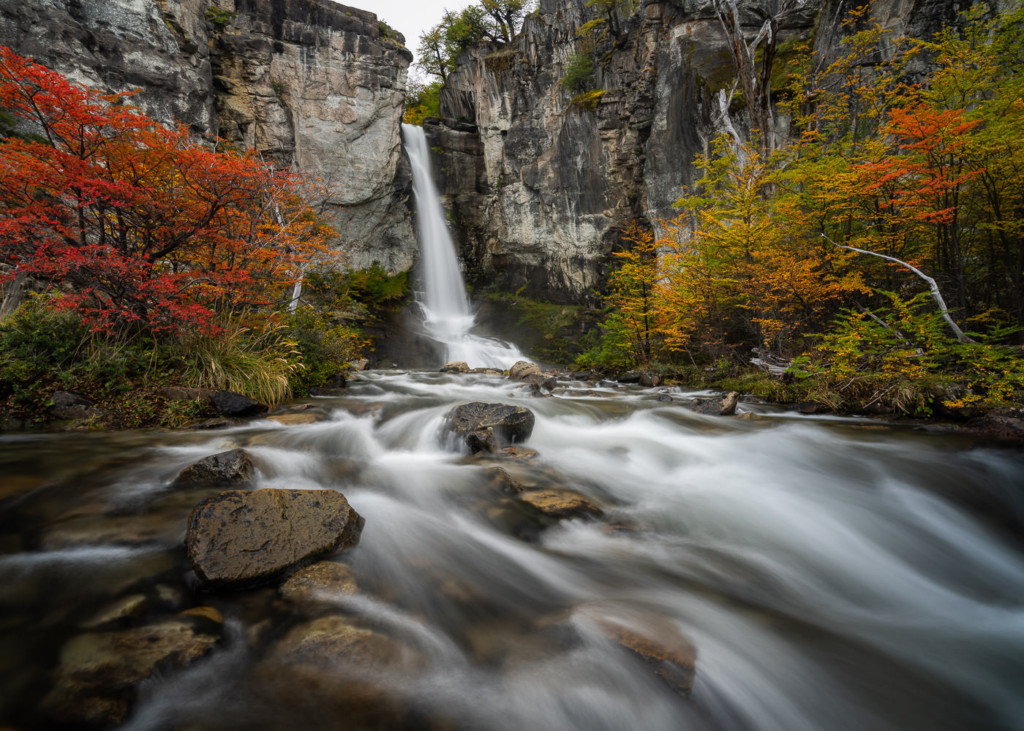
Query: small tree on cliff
x=493 y=20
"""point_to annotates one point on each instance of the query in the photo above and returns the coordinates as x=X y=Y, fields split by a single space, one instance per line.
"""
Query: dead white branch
x=932 y=285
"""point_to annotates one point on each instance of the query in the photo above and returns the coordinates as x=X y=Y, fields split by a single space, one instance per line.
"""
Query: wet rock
x=306 y=414
x=316 y=584
x=651 y=638
x=650 y=379
x=234 y=467
x=359 y=365
x=238 y=539
x=455 y=366
x=73 y=407
x=208 y=614
x=294 y=419
x=489 y=427
x=487 y=371
x=229 y=403
x=810 y=407
x=522 y=369
x=333 y=667
x=499 y=479
x=99 y=671
x=723 y=406
x=665 y=398
x=647 y=379
x=133 y=606
x=1000 y=424
x=560 y=504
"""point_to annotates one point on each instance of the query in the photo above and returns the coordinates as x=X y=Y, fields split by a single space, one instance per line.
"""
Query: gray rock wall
x=309 y=83
x=540 y=190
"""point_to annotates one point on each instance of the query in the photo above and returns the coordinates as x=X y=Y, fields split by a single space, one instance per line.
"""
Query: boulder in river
x=522 y=369
x=229 y=403
x=238 y=539
x=234 y=467
x=489 y=427
x=455 y=366
x=719 y=406
x=99 y=671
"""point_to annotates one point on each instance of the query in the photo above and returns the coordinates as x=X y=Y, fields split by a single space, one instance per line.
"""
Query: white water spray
x=446 y=314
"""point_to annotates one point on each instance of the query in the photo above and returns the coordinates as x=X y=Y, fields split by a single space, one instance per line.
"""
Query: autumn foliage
x=134 y=224
x=928 y=169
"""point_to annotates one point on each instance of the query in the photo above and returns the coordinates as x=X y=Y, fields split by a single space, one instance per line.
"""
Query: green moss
x=588 y=100
x=218 y=16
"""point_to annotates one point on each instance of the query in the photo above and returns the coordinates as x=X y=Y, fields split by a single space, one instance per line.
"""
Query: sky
x=411 y=18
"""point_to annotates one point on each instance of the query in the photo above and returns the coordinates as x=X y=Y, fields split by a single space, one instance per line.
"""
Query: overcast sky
x=409 y=17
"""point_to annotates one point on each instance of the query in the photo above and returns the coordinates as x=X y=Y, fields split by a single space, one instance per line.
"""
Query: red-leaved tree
x=134 y=223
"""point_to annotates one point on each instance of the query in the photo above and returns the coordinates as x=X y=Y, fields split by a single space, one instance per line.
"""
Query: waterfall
x=447 y=317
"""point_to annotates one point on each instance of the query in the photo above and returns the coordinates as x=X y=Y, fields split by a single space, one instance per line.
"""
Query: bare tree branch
x=932 y=285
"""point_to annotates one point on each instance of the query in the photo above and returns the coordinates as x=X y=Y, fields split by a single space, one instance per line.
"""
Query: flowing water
x=447 y=317
x=829 y=573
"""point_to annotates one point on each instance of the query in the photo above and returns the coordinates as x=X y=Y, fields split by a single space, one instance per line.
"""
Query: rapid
x=829 y=573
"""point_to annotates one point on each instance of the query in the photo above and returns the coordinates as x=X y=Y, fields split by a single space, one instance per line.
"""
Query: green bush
x=579 y=74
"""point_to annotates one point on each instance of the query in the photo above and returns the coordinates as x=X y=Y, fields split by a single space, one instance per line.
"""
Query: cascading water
x=830 y=574
x=447 y=317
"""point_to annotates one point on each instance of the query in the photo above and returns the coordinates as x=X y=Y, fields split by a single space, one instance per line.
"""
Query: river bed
x=827 y=573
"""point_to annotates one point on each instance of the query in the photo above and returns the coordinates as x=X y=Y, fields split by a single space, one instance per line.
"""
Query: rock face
x=541 y=188
x=308 y=83
x=489 y=427
x=239 y=539
x=315 y=84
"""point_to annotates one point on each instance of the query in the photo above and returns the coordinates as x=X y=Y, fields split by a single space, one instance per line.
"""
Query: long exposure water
x=829 y=573
x=447 y=317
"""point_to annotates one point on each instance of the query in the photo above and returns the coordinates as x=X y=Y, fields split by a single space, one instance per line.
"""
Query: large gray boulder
x=238 y=539
x=489 y=427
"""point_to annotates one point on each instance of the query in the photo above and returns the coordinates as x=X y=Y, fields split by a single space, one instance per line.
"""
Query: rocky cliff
x=541 y=186
x=308 y=83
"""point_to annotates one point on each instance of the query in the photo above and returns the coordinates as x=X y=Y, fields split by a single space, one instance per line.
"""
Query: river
x=829 y=573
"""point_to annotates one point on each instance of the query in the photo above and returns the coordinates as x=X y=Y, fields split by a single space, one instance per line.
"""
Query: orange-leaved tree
x=134 y=223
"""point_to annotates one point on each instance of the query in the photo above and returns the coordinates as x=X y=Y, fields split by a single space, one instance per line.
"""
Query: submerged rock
x=234 y=467
x=723 y=406
x=316 y=584
x=333 y=667
x=650 y=637
x=490 y=427
x=239 y=539
x=99 y=671
x=229 y=403
x=560 y=504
